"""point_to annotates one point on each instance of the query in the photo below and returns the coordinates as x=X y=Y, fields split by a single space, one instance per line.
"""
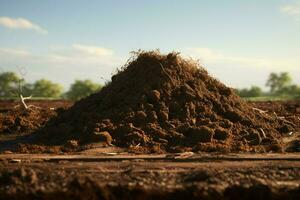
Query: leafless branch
x=22 y=71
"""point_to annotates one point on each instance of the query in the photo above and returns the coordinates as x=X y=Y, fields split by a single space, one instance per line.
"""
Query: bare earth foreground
x=201 y=176
x=113 y=173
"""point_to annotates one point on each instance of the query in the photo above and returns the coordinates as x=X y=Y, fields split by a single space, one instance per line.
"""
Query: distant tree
x=254 y=91
x=81 y=89
x=279 y=83
x=45 y=88
x=292 y=90
x=9 y=82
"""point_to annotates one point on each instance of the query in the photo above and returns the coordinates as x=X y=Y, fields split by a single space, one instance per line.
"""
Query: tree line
x=12 y=83
x=279 y=84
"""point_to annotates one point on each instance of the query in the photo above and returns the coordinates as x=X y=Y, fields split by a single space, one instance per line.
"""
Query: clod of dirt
x=165 y=102
x=221 y=134
x=200 y=134
x=293 y=146
x=71 y=144
x=154 y=96
x=103 y=136
x=254 y=137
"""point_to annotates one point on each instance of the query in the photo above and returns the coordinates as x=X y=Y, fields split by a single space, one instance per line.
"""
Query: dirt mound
x=166 y=103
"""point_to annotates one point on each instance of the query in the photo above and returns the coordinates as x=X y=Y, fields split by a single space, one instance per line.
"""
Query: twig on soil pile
x=259 y=110
x=263 y=133
x=278 y=117
x=163 y=69
x=286 y=121
x=29 y=107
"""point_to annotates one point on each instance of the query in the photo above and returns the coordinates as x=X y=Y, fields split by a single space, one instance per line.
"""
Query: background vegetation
x=280 y=87
x=11 y=83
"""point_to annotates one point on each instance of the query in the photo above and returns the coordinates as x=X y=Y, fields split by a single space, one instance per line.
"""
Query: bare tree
x=19 y=90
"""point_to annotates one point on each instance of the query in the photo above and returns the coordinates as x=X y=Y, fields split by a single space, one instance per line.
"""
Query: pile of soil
x=166 y=103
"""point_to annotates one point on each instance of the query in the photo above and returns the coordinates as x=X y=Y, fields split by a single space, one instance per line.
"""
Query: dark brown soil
x=6 y=105
x=14 y=119
x=286 y=110
x=159 y=103
x=23 y=121
x=141 y=179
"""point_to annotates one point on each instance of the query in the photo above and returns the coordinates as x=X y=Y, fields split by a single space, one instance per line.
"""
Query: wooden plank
x=153 y=157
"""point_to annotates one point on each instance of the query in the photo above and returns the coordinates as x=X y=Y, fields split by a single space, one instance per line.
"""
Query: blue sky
x=239 y=42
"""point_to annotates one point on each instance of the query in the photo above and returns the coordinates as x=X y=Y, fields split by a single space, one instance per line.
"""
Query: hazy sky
x=239 y=41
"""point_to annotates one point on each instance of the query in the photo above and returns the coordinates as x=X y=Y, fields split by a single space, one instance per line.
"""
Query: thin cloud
x=62 y=56
x=210 y=56
x=291 y=9
x=21 y=23
x=92 y=50
x=83 y=53
x=13 y=52
x=61 y=64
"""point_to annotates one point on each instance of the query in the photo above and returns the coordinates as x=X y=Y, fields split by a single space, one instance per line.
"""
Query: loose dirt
x=14 y=119
x=23 y=121
x=43 y=177
x=159 y=103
